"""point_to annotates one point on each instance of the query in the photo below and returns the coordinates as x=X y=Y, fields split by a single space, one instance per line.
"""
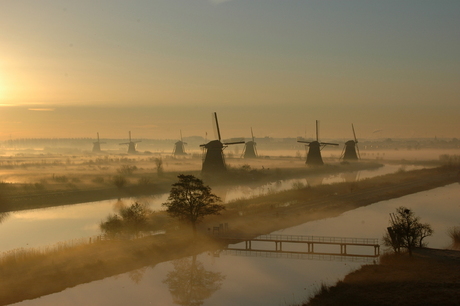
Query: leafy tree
x=191 y=200
x=406 y=231
x=131 y=220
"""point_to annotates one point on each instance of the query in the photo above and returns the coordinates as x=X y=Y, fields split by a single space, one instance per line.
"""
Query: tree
x=406 y=231
x=131 y=220
x=191 y=200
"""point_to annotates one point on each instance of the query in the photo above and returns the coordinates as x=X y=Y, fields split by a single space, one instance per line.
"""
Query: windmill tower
x=314 y=149
x=97 y=145
x=214 y=161
x=131 y=145
x=179 y=147
x=250 y=150
x=351 y=151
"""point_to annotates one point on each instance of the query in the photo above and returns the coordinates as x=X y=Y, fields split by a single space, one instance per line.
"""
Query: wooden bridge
x=310 y=242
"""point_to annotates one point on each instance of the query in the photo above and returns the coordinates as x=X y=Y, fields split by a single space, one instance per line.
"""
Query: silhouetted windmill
x=214 y=161
x=97 y=145
x=250 y=150
x=314 y=149
x=131 y=145
x=179 y=147
x=351 y=151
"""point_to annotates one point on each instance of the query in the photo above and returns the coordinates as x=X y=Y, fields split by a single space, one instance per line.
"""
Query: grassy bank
x=431 y=277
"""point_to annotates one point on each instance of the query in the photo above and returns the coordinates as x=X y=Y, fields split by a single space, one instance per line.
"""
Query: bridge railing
x=302 y=238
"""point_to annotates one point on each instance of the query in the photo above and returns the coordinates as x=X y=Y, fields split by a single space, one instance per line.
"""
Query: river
x=241 y=280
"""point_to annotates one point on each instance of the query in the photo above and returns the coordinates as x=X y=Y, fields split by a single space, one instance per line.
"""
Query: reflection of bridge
x=302 y=256
x=309 y=241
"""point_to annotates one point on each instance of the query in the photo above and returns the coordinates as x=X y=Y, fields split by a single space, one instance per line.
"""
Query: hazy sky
x=73 y=68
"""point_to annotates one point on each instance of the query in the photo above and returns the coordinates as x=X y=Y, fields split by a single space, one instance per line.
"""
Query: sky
x=157 y=67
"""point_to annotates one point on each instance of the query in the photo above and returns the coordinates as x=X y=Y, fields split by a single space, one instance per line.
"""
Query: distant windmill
x=250 y=150
x=214 y=157
x=314 y=149
x=131 y=145
x=97 y=145
x=351 y=150
x=179 y=147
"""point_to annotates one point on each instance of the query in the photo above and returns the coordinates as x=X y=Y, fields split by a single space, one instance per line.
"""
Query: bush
x=126 y=169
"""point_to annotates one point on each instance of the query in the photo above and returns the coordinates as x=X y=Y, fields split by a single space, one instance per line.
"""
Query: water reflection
x=4 y=216
x=190 y=283
x=137 y=275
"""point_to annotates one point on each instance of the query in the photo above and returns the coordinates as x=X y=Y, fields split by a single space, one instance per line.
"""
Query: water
x=264 y=281
x=41 y=227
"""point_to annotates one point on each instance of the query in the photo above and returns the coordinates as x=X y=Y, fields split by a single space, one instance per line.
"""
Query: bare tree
x=191 y=200
x=406 y=231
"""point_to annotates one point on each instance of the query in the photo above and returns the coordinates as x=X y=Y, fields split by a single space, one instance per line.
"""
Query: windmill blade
x=216 y=126
x=180 y=135
x=354 y=134
x=328 y=144
x=317 y=130
x=97 y=136
x=357 y=151
x=299 y=139
x=129 y=136
x=252 y=134
x=230 y=143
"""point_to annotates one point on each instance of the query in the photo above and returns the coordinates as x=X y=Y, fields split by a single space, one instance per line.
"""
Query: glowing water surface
x=242 y=280
x=47 y=226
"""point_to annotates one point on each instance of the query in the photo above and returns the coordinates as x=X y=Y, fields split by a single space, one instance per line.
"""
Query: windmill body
x=131 y=145
x=214 y=160
x=97 y=145
x=314 y=154
x=314 y=149
x=351 y=151
x=250 y=150
x=179 y=148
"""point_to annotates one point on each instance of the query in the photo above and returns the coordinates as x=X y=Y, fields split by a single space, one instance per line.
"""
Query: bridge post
x=248 y=244
x=377 y=250
x=343 y=249
x=280 y=247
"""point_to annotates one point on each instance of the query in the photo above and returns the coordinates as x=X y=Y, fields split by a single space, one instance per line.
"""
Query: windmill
x=179 y=147
x=350 y=151
x=97 y=145
x=214 y=161
x=131 y=145
x=314 y=149
x=250 y=148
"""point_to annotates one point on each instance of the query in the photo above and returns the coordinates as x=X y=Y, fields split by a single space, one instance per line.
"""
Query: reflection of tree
x=190 y=284
x=137 y=275
x=3 y=216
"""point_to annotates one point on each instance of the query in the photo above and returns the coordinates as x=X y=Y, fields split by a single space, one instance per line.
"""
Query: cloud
x=42 y=109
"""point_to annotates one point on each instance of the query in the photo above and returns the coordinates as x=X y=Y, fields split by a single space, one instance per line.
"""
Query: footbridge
x=298 y=244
